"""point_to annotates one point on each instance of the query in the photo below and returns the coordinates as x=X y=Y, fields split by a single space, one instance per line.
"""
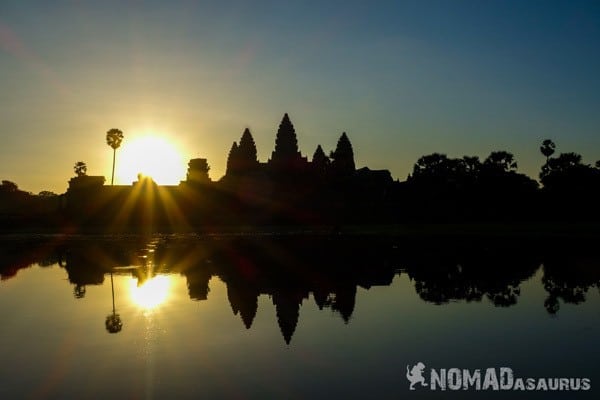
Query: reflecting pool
x=291 y=316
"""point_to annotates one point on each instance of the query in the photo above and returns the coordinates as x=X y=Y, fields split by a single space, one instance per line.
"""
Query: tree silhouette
x=501 y=184
x=438 y=169
x=9 y=187
x=79 y=291
x=598 y=164
x=567 y=171
x=113 y=321
x=343 y=156
x=431 y=164
x=500 y=161
x=472 y=165
x=566 y=161
x=547 y=148
x=114 y=137
x=559 y=167
x=80 y=168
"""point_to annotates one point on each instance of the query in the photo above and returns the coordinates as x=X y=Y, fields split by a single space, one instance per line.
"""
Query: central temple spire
x=286 y=144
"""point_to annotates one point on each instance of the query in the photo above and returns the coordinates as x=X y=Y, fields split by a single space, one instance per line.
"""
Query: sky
x=402 y=78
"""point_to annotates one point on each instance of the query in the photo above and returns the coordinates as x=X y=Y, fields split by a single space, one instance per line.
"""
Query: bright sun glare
x=151 y=293
x=151 y=156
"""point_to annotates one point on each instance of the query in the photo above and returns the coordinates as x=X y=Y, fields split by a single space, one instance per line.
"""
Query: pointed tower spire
x=343 y=156
x=242 y=158
x=233 y=160
x=248 y=309
x=286 y=144
x=247 y=152
x=319 y=160
x=287 y=308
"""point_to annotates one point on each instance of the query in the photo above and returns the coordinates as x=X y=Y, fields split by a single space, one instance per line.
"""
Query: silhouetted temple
x=286 y=155
x=286 y=189
x=328 y=191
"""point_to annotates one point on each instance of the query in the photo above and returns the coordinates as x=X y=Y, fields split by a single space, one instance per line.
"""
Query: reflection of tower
x=287 y=307
x=345 y=298
x=82 y=269
x=197 y=282
x=245 y=300
x=113 y=321
x=320 y=295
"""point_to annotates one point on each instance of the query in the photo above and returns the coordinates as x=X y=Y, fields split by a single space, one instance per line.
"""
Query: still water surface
x=287 y=317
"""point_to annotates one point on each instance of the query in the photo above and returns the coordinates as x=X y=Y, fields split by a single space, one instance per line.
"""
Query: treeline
x=470 y=189
x=20 y=208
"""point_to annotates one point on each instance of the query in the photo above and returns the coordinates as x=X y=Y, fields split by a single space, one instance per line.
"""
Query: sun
x=151 y=293
x=150 y=155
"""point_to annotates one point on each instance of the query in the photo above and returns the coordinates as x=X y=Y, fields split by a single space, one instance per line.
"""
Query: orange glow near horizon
x=150 y=155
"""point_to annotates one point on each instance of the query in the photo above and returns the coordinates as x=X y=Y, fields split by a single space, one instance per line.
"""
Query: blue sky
x=403 y=79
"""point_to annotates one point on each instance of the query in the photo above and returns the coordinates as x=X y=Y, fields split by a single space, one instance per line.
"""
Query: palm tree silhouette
x=114 y=137
x=80 y=168
x=113 y=321
x=79 y=291
x=547 y=149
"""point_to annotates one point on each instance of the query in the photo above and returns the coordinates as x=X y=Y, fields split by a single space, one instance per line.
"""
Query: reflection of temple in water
x=248 y=274
x=288 y=269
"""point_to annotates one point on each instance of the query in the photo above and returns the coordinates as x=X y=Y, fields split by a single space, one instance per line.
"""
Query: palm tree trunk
x=112 y=179
x=112 y=288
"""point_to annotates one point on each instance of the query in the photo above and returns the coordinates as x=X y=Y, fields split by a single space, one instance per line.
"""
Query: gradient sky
x=403 y=78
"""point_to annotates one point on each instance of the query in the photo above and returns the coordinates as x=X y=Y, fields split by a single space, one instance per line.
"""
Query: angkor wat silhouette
x=288 y=188
x=327 y=191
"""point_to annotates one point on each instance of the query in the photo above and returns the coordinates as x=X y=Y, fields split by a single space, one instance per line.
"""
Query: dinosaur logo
x=415 y=375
